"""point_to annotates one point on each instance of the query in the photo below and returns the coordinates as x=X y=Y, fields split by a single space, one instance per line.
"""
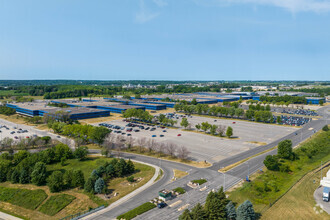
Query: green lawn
x=269 y=186
x=25 y=198
x=87 y=166
x=56 y=203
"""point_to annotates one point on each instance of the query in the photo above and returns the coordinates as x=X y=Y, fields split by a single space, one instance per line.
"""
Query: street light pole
x=321 y=170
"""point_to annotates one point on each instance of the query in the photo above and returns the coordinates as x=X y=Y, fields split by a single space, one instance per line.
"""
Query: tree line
x=228 y=112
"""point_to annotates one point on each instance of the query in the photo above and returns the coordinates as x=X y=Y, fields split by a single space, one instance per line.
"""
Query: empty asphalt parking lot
x=211 y=148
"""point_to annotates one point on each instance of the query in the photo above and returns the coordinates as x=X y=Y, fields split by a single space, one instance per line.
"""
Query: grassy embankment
x=298 y=202
x=268 y=187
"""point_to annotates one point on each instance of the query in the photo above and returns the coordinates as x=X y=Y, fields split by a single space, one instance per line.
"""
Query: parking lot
x=206 y=147
x=29 y=132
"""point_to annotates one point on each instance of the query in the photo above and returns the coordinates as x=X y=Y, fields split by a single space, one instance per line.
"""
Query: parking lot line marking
x=175 y=203
x=183 y=207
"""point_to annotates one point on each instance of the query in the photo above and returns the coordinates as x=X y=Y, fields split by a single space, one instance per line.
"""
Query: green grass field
x=269 y=186
x=87 y=166
x=29 y=199
x=56 y=203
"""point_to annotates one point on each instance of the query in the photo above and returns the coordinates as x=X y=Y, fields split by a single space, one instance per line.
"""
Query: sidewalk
x=6 y=216
x=128 y=196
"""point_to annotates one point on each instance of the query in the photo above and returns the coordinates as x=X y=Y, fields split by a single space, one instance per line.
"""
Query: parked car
x=161 y=135
x=161 y=205
x=179 y=135
x=234 y=122
x=153 y=135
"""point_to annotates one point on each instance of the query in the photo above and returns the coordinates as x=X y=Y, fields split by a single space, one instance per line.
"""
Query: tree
x=229 y=132
x=80 y=153
x=99 y=186
x=15 y=176
x=230 y=211
x=78 y=179
x=321 y=102
x=245 y=211
x=221 y=130
x=89 y=185
x=39 y=174
x=271 y=162
x=55 y=181
x=205 y=126
x=285 y=149
x=213 y=129
x=198 y=126
x=98 y=134
x=278 y=120
x=183 y=153
x=198 y=212
x=215 y=205
x=325 y=128
x=184 y=123
x=130 y=168
x=67 y=179
x=24 y=177
x=186 y=215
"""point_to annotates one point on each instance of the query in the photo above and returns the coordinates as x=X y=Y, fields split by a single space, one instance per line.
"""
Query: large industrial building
x=32 y=109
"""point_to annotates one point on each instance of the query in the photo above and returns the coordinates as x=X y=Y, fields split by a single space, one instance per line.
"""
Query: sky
x=165 y=39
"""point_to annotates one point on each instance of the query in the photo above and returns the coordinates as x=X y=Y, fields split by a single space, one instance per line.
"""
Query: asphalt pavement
x=215 y=179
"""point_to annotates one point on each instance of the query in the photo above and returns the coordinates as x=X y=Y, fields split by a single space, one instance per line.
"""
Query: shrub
x=130 y=179
x=271 y=162
x=179 y=190
x=200 y=181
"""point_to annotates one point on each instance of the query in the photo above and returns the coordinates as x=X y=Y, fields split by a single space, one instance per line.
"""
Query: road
x=215 y=179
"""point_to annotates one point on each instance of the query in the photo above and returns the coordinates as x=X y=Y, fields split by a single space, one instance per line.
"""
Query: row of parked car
x=300 y=112
x=294 y=121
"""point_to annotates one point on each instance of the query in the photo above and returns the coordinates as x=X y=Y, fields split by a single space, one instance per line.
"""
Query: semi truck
x=326 y=192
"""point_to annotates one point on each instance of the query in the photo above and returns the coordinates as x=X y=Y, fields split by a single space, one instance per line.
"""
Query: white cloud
x=144 y=15
x=290 y=5
x=160 y=3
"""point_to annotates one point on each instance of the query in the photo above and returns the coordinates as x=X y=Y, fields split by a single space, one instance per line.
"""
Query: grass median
x=137 y=211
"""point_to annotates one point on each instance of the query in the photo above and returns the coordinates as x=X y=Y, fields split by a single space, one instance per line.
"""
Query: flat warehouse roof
x=33 y=106
x=123 y=106
x=77 y=110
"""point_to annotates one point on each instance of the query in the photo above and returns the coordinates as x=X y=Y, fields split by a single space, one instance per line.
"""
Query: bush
x=137 y=211
x=200 y=181
x=179 y=190
x=130 y=179
x=271 y=162
x=56 y=203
